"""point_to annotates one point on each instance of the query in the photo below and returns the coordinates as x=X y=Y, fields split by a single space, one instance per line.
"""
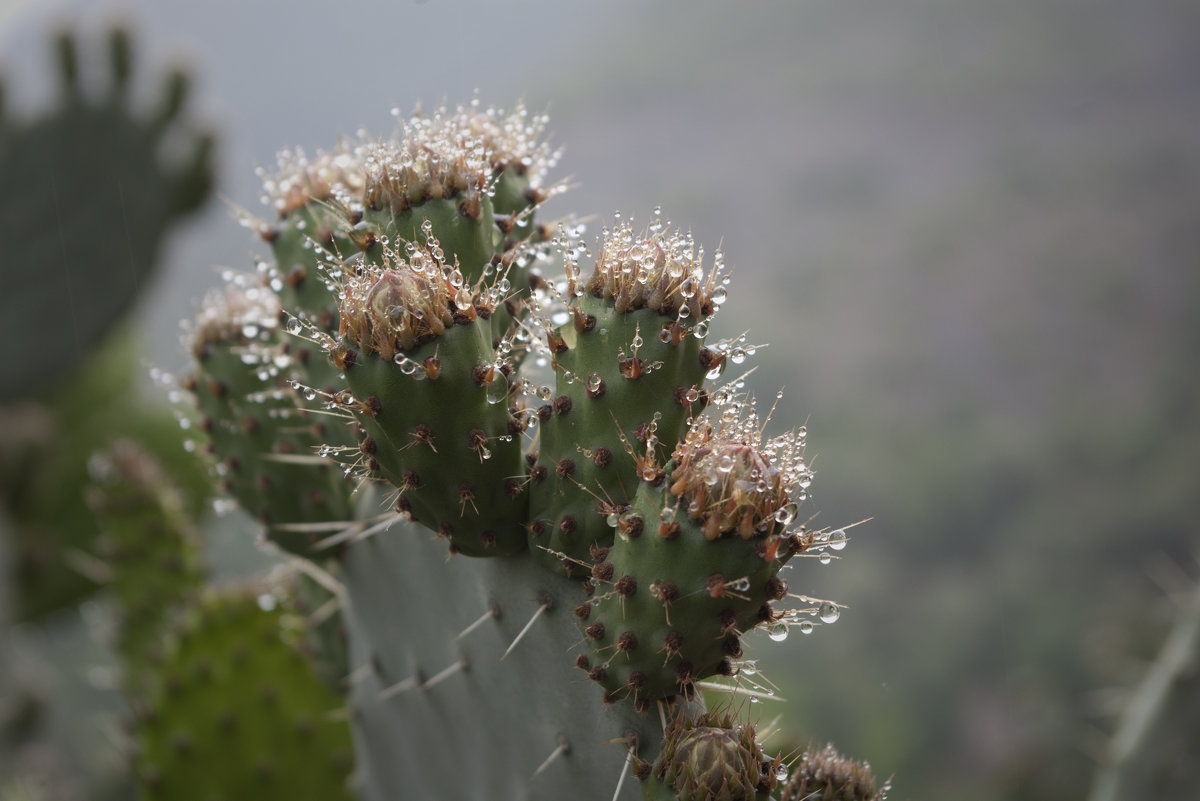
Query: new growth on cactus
x=410 y=361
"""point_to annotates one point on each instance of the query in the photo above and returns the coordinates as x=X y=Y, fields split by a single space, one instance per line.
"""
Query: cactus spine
x=563 y=432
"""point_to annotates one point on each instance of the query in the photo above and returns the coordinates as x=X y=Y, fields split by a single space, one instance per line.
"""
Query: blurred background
x=970 y=233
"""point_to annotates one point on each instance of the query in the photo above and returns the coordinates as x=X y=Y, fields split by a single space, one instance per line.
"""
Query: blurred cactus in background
x=86 y=195
x=407 y=370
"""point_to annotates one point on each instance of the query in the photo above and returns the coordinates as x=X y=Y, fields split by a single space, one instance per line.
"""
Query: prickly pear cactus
x=151 y=554
x=45 y=450
x=85 y=198
x=238 y=712
x=579 y=522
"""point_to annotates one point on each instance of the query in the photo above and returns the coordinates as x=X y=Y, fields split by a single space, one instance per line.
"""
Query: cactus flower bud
x=710 y=759
x=826 y=775
x=730 y=481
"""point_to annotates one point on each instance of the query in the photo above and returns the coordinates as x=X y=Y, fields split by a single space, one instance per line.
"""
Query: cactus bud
x=710 y=759
x=826 y=775
x=731 y=483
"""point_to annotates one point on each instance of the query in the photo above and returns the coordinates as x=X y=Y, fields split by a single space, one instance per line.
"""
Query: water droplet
x=824 y=558
x=594 y=381
x=719 y=295
x=497 y=389
x=664 y=336
x=805 y=626
x=485 y=454
x=726 y=464
x=785 y=514
x=668 y=514
x=741 y=585
x=777 y=631
x=293 y=325
x=837 y=540
x=829 y=612
x=700 y=330
x=737 y=355
x=749 y=667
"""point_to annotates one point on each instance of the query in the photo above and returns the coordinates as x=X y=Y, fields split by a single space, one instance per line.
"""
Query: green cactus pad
x=239 y=713
x=265 y=442
x=446 y=706
x=45 y=447
x=623 y=388
x=669 y=610
x=85 y=200
x=153 y=555
x=468 y=237
x=453 y=452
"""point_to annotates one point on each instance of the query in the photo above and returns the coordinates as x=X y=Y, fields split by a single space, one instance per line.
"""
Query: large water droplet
x=778 y=631
x=497 y=389
x=829 y=612
x=806 y=626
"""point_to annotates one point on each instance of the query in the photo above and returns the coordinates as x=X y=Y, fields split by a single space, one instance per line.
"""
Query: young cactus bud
x=826 y=775
x=395 y=310
x=712 y=759
x=729 y=483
